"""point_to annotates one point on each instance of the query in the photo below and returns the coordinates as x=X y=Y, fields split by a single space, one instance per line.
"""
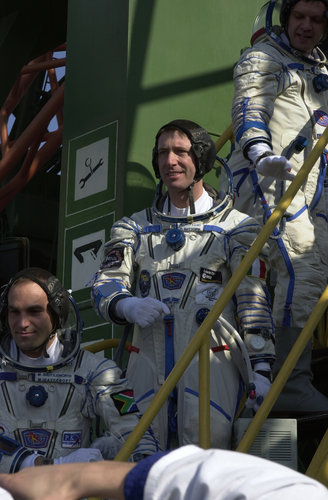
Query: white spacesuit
x=280 y=109
x=185 y=262
x=48 y=404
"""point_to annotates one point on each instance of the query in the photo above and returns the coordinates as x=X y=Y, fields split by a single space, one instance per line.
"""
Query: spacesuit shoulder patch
x=124 y=402
x=114 y=258
x=321 y=117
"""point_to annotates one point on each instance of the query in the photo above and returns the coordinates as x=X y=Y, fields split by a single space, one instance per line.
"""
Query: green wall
x=95 y=115
x=181 y=57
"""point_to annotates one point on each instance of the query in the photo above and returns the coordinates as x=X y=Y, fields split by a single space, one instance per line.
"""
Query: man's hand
x=268 y=164
x=275 y=166
x=109 y=446
x=68 y=482
x=262 y=387
x=143 y=312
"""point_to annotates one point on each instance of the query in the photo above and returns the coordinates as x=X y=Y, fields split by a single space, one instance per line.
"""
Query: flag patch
x=125 y=402
x=258 y=269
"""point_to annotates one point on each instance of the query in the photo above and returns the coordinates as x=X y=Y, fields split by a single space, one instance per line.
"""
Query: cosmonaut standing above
x=280 y=109
x=164 y=268
x=51 y=390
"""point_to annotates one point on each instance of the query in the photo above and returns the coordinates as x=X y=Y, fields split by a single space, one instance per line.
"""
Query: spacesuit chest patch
x=207 y=293
x=71 y=439
x=173 y=281
x=210 y=276
x=36 y=438
x=114 y=258
x=144 y=283
x=321 y=117
x=124 y=402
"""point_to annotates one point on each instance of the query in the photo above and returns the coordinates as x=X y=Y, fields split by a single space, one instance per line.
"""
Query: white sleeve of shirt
x=4 y=495
x=191 y=473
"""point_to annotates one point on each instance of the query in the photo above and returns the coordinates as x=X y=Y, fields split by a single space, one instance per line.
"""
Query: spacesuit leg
x=226 y=389
x=143 y=375
x=298 y=394
x=300 y=272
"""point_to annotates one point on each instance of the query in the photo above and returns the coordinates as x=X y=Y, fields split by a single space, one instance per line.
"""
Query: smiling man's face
x=29 y=319
x=306 y=25
x=175 y=160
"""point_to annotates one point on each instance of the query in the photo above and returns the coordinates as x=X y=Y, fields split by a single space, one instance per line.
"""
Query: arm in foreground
x=187 y=473
x=69 y=481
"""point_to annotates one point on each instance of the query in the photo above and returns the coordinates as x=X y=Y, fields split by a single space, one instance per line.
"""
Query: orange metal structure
x=36 y=145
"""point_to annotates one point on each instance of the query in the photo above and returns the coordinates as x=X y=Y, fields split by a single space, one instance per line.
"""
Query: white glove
x=275 y=166
x=262 y=387
x=270 y=166
x=144 y=312
x=109 y=446
x=80 y=455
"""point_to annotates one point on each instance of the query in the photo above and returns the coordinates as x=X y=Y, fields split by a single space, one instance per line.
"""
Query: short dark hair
x=202 y=146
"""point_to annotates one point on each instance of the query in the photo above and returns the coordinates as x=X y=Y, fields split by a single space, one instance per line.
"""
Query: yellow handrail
x=226 y=136
x=321 y=339
x=318 y=468
x=105 y=344
x=222 y=301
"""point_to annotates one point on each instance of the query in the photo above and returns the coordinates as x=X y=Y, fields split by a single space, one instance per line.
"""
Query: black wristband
x=263 y=155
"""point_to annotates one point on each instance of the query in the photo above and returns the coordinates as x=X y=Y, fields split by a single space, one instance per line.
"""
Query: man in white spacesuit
x=51 y=389
x=280 y=109
x=163 y=270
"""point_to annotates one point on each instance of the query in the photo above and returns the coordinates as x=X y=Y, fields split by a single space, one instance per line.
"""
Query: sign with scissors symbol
x=89 y=177
x=88 y=163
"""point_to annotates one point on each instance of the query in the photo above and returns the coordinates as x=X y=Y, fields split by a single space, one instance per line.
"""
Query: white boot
x=298 y=395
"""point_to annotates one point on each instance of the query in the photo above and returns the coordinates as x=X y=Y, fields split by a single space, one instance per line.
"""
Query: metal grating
x=276 y=440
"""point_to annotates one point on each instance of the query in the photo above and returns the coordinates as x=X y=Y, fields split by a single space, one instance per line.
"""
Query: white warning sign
x=86 y=258
x=91 y=169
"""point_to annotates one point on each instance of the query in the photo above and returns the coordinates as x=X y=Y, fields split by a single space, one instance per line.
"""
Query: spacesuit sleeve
x=111 y=397
x=12 y=454
x=115 y=278
x=190 y=473
x=258 y=79
x=252 y=297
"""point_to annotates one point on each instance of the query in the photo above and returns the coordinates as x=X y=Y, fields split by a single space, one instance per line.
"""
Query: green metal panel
x=93 y=145
x=181 y=58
